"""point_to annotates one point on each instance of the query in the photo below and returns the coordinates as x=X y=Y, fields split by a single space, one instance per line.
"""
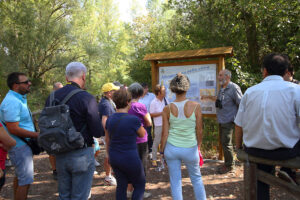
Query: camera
x=219 y=104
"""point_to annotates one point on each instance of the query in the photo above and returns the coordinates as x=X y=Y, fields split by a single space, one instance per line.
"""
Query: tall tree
x=34 y=36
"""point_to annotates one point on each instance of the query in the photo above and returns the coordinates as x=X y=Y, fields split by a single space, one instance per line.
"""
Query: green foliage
x=41 y=37
x=210 y=145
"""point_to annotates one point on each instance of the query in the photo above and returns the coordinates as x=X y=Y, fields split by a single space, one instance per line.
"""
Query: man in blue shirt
x=106 y=108
x=75 y=169
x=15 y=114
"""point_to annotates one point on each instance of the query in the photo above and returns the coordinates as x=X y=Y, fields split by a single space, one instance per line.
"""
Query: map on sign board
x=203 y=83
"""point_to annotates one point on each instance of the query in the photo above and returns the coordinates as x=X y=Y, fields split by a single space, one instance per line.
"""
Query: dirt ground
x=226 y=186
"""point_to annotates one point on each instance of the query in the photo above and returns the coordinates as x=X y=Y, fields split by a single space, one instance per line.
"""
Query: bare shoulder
x=193 y=103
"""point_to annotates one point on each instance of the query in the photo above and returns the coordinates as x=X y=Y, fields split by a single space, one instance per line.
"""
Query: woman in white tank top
x=182 y=137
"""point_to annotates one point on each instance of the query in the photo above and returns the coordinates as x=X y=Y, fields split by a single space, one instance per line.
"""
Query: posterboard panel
x=203 y=83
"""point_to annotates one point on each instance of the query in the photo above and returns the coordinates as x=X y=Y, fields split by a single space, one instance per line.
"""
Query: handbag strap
x=166 y=103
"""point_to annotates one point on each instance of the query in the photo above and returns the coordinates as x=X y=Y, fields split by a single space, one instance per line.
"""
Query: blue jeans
x=190 y=156
x=75 y=172
x=22 y=159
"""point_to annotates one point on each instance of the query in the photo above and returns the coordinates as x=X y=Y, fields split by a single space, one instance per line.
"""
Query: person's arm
x=147 y=120
x=238 y=137
x=157 y=114
x=238 y=96
x=92 y=117
x=199 y=125
x=141 y=132
x=14 y=128
x=106 y=141
x=165 y=129
x=103 y=121
x=7 y=142
x=212 y=98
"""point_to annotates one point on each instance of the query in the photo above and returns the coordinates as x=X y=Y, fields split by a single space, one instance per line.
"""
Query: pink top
x=138 y=109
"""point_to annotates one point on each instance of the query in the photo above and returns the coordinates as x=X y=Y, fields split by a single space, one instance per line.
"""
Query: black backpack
x=57 y=132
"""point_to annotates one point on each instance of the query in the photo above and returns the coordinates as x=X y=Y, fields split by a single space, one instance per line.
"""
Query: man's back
x=273 y=107
x=83 y=111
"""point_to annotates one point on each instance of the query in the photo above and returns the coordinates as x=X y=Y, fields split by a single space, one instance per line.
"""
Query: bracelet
x=162 y=153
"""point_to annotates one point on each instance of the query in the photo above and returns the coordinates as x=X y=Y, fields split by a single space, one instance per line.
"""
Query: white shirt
x=269 y=114
x=157 y=106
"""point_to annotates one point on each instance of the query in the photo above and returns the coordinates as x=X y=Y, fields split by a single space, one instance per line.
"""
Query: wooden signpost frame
x=190 y=57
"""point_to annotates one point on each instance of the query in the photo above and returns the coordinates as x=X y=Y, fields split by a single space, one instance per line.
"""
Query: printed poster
x=203 y=84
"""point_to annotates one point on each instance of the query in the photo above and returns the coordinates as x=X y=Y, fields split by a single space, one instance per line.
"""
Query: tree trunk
x=253 y=48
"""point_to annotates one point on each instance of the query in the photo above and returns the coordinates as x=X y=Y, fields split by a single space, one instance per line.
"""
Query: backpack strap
x=68 y=97
x=73 y=92
x=51 y=101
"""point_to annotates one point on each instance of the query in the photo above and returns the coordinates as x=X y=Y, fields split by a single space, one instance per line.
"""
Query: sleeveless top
x=182 y=131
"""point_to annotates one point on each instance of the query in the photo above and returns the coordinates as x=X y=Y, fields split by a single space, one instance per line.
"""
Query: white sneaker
x=150 y=156
x=97 y=164
x=147 y=194
x=129 y=194
x=8 y=163
x=90 y=195
x=110 y=180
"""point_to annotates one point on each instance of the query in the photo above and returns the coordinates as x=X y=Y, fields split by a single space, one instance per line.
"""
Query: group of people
x=266 y=120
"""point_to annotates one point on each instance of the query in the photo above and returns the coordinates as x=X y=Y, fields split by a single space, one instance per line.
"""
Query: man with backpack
x=15 y=114
x=75 y=166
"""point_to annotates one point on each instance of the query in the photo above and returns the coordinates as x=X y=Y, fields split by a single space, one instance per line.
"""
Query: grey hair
x=75 y=70
x=136 y=90
x=227 y=73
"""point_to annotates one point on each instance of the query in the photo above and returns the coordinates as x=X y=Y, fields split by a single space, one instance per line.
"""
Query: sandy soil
x=226 y=186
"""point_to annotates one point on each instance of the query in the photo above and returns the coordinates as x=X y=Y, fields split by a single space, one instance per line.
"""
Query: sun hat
x=107 y=87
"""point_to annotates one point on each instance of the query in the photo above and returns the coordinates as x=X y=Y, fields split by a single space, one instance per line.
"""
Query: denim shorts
x=21 y=158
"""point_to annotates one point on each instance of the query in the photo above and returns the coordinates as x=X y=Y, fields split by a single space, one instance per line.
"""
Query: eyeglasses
x=24 y=82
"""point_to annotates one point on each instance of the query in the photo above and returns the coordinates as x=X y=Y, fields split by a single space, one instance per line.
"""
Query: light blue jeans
x=75 y=172
x=21 y=158
x=190 y=156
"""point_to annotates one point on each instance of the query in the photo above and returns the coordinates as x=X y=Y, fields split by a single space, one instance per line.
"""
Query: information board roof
x=180 y=55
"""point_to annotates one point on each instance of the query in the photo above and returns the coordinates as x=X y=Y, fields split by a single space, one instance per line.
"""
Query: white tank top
x=180 y=107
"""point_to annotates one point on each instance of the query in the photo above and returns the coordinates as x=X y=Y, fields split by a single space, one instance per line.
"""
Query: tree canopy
x=41 y=37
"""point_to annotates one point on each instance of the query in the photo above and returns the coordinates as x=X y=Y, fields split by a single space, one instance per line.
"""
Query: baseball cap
x=109 y=87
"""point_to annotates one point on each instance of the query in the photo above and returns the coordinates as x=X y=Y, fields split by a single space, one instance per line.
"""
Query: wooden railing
x=252 y=174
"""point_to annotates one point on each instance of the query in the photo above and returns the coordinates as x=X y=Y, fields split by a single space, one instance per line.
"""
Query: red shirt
x=3 y=155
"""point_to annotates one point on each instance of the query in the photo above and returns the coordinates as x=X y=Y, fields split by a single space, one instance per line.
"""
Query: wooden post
x=250 y=181
x=154 y=73
x=221 y=66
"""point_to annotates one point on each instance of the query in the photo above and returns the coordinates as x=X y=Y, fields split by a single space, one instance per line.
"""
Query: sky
x=125 y=5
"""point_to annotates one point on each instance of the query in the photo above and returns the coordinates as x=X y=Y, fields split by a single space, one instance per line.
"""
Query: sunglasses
x=24 y=82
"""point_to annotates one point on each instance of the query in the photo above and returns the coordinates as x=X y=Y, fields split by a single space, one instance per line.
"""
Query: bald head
x=57 y=86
